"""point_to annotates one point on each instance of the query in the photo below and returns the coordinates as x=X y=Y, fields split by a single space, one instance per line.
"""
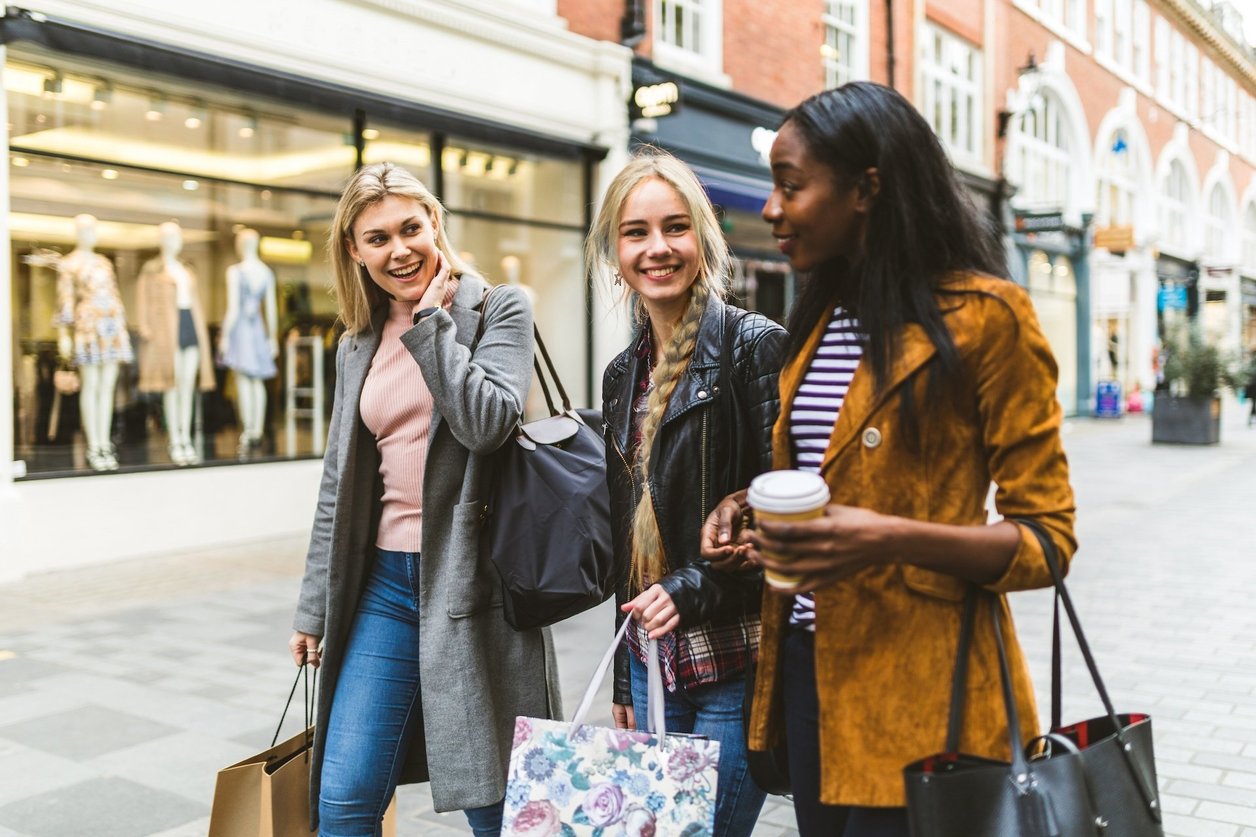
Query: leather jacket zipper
x=702 y=510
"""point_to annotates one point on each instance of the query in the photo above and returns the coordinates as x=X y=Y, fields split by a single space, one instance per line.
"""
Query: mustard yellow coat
x=886 y=637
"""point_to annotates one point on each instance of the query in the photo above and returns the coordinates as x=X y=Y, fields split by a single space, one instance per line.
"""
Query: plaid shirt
x=702 y=654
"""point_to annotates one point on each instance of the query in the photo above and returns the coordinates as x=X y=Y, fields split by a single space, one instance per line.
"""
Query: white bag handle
x=656 y=720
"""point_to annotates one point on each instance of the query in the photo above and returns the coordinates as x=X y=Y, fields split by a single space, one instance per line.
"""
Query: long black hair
x=921 y=225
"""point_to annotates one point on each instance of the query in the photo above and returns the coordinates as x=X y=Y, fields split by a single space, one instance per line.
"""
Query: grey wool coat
x=476 y=672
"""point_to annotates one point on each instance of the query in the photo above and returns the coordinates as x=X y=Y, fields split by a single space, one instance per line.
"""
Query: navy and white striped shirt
x=815 y=409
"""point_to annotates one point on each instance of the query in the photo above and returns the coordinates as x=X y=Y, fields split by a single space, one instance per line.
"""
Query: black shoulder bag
x=1096 y=778
x=547 y=519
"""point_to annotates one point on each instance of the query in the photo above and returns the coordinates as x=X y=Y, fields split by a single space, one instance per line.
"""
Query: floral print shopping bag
x=576 y=780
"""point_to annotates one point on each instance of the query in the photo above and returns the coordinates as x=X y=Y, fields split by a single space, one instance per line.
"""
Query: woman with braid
x=677 y=441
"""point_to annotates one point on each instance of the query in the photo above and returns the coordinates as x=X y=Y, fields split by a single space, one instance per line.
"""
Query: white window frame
x=1249 y=239
x=1042 y=156
x=1217 y=223
x=1175 y=204
x=1142 y=42
x=1162 y=59
x=951 y=102
x=1190 y=104
x=705 y=59
x=855 y=66
x=1118 y=183
x=1121 y=34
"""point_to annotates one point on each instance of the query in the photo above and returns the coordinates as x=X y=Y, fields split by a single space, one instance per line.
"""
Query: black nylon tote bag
x=547 y=518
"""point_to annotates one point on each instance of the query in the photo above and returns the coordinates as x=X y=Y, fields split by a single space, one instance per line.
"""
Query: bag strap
x=959 y=680
x=657 y=720
x=1145 y=788
x=309 y=705
x=536 y=361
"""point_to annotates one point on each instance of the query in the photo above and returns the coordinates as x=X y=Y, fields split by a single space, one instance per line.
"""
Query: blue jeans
x=377 y=706
x=714 y=711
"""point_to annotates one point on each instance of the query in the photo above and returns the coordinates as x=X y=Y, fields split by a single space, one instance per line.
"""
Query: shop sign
x=1032 y=222
x=1171 y=298
x=1115 y=239
x=652 y=101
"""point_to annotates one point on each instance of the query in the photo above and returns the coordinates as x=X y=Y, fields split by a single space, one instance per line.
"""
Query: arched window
x=1249 y=240
x=1118 y=182
x=1217 y=221
x=1041 y=159
x=1175 y=202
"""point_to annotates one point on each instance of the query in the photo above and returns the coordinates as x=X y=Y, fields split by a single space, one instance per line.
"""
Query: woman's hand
x=434 y=294
x=654 y=610
x=304 y=648
x=719 y=543
x=624 y=716
x=839 y=543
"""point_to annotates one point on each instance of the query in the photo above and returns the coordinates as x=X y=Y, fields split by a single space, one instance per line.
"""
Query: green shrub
x=1197 y=368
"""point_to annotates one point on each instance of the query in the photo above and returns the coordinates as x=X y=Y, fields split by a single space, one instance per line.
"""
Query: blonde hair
x=649 y=563
x=356 y=293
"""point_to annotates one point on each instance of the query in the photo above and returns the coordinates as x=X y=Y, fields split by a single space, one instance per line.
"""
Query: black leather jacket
x=692 y=464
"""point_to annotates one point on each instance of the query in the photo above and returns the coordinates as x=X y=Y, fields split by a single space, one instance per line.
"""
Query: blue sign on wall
x=1171 y=298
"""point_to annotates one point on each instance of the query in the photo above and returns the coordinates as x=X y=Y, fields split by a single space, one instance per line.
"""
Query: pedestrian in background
x=915 y=376
x=675 y=445
x=421 y=676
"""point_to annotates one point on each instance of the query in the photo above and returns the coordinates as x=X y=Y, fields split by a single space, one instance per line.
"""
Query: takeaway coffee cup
x=786 y=496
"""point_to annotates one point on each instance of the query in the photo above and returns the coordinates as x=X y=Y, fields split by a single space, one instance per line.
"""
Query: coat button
x=614 y=402
x=702 y=393
x=872 y=437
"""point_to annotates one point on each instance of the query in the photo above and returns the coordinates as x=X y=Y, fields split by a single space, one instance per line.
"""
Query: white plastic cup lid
x=787 y=492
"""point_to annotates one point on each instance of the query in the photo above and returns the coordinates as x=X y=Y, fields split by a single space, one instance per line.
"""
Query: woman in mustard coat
x=916 y=378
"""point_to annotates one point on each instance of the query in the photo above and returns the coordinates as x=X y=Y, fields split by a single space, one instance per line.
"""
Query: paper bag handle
x=657 y=719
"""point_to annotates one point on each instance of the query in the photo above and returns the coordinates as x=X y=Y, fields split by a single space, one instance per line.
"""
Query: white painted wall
x=513 y=63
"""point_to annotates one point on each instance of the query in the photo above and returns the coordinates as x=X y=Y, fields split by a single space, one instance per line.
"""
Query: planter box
x=1186 y=421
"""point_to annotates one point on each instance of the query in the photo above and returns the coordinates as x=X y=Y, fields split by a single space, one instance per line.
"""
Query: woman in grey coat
x=421 y=676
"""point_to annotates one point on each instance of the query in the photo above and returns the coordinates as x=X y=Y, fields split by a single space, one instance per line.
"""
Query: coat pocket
x=473 y=581
x=930 y=583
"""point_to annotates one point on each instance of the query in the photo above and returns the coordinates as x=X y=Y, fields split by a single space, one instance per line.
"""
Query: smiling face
x=814 y=217
x=658 y=248
x=396 y=238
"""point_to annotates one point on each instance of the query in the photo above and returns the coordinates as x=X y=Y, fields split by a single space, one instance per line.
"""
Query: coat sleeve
x=312 y=602
x=1020 y=419
x=479 y=395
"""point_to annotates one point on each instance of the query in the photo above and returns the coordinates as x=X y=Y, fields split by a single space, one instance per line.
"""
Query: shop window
x=844 y=36
x=689 y=33
x=952 y=92
x=1053 y=288
x=135 y=199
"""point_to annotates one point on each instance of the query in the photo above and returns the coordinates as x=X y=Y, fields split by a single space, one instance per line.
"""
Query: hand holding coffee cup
x=786 y=497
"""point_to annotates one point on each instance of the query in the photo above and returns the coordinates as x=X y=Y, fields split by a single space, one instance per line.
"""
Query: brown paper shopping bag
x=268 y=795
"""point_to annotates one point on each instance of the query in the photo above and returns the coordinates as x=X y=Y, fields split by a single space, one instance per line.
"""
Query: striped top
x=815 y=409
x=397 y=408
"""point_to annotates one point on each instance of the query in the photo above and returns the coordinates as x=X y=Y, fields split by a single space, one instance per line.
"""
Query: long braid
x=649 y=564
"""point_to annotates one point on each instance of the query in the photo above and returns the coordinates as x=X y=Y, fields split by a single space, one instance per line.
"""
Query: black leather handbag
x=1093 y=779
x=769 y=769
x=547 y=519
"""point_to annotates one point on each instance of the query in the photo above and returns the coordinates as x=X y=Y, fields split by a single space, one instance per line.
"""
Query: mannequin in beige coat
x=174 y=352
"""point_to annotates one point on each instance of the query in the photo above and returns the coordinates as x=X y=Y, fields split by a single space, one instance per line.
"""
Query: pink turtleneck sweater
x=396 y=407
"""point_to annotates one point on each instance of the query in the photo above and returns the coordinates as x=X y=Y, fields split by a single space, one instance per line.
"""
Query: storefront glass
x=112 y=172
x=1053 y=288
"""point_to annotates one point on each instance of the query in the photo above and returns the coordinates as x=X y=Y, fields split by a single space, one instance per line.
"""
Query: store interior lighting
x=156 y=108
x=249 y=128
x=53 y=84
x=196 y=117
x=370 y=134
x=102 y=96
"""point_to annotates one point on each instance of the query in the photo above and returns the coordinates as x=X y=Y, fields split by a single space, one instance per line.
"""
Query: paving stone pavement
x=124 y=688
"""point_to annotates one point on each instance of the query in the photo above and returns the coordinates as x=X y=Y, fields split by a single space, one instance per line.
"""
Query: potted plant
x=1187 y=409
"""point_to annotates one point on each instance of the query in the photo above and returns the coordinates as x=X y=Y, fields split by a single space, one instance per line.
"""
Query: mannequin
x=89 y=303
x=248 y=345
x=174 y=355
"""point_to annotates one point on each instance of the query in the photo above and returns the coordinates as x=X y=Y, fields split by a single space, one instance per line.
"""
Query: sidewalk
x=124 y=688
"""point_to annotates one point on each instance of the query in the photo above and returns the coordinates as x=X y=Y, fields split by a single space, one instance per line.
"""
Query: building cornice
x=1197 y=21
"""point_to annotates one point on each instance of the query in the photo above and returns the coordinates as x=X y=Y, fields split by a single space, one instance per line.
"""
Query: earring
x=619 y=279
x=362 y=264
